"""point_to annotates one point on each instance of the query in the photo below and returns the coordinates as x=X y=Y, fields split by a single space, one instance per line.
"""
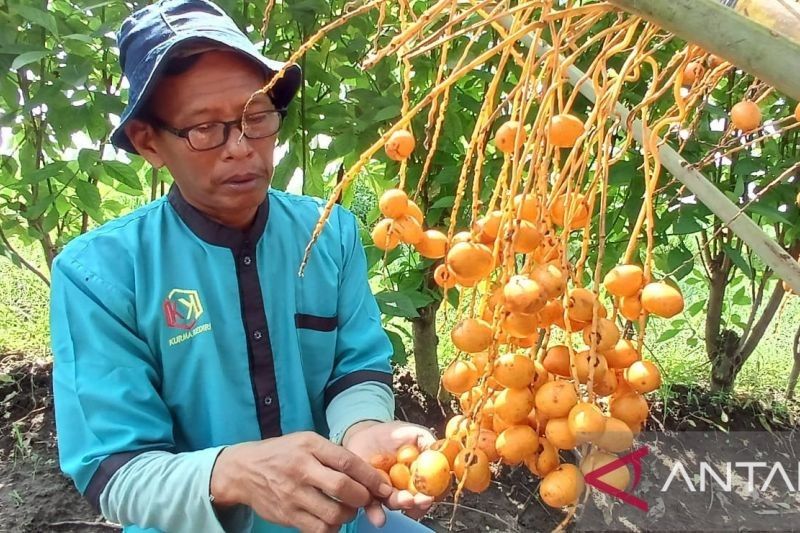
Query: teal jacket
x=174 y=336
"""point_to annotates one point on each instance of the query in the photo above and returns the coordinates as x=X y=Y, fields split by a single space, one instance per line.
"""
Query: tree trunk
x=426 y=360
x=49 y=249
x=719 y=354
x=716 y=297
x=732 y=351
x=726 y=362
x=795 y=373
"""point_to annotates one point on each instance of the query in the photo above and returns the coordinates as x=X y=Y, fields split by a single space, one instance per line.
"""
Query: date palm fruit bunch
x=548 y=340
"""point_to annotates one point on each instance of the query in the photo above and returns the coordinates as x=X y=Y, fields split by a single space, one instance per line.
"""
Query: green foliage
x=60 y=91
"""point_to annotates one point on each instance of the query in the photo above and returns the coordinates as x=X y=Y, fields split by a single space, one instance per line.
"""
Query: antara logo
x=182 y=310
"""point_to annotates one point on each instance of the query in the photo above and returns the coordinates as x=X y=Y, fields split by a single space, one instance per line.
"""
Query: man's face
x=229 y=182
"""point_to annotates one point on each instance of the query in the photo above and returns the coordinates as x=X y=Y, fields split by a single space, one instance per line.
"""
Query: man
x=196 y=376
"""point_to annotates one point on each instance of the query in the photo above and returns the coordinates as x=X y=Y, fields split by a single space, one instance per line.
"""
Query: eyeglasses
x=210 y=135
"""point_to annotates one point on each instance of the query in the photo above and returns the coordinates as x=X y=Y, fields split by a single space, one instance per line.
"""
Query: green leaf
x=686 y=224
x=76 y=74
x=8 y=169
x=418 y=299
x=394 y=303
x=745 y=167
x=100 y=4
x=453 y=297
x=399 y=355
x=88 y=194
x=696 y=307
x=680 y=261
x=741 y=297
x=738 y=190
x=62 y=205
x=123 y=173
x=344 y=145
x=668 y=334
x=624 y=172
x=445 y=201
x=88 y=158
x=51 y=170
x=50 y=220
x=387 y=113
x=769 y=212
x=36 y=210
x=374 y=254
x=348 y=72
x=738 y=260
x=28 y=57
x=37 y=16
x=314 y=185
x=80 y=37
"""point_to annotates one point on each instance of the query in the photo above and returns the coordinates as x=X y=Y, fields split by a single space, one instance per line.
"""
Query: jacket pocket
x=316 y=337
x=316 y=323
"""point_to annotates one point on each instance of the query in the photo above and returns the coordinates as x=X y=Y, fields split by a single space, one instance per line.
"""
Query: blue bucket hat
x=151 y=36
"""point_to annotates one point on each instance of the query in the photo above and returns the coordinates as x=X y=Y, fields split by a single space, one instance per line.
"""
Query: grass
x=766 y=371
x=24 y=312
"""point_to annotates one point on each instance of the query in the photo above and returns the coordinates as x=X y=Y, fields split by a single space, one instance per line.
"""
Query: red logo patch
x=182 y=308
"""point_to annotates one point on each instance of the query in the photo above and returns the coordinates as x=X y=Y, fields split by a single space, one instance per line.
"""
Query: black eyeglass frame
x=184 y=132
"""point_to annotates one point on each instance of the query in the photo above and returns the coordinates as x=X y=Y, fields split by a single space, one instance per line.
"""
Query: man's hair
x=178 y=65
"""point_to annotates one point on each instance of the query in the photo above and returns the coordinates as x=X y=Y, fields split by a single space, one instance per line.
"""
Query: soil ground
x=36 y=497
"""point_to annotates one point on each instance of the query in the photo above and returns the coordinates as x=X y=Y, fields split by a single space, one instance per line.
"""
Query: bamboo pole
x=764 y=53
x=706 y=192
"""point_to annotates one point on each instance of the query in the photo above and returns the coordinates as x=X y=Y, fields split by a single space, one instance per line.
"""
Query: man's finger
x=375 y=514
x=413 y=434
x=423 y=501
x=346 y=462
x=422 y=505
x=425 y=439
x=400 y=499
x=339 y=486
x=418 y=506
x=323 y=508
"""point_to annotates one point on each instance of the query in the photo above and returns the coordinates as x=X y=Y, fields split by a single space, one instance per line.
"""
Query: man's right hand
x=300 y=480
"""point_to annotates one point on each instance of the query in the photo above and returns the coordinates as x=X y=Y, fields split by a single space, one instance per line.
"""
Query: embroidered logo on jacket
x=182 y=310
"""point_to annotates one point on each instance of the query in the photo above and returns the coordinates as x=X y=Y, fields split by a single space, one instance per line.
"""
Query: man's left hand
x=368 y=439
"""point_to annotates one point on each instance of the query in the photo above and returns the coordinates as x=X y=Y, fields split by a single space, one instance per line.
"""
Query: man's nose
x=238 y=145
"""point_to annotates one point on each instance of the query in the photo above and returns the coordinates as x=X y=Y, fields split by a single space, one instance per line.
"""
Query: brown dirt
x=35 y=496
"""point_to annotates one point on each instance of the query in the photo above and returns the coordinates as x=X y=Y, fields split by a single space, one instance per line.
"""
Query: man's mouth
x=242 y=179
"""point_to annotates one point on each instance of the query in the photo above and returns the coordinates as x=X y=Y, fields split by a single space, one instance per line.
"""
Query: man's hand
x=300 y=480
x=368 y=439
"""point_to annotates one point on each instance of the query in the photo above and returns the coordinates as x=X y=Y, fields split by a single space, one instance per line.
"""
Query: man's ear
x=143 y=137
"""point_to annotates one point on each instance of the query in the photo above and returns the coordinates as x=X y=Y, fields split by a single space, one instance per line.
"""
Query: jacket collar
x=213 y=232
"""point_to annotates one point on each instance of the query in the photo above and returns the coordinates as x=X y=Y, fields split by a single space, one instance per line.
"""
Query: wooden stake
x=706 y=192
x=764 y=53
